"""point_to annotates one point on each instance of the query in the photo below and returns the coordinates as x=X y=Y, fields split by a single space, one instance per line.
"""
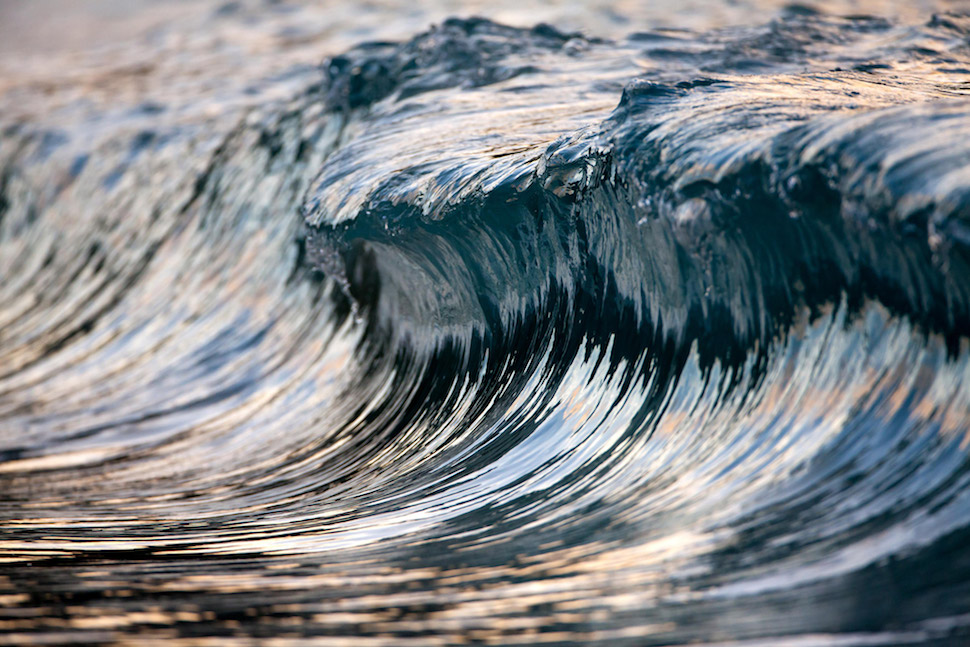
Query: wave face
x=501 y=336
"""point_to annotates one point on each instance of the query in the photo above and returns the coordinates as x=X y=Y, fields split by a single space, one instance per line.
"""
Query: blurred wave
x=500 y=336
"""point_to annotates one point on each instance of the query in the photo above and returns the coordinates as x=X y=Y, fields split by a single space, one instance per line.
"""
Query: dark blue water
x=502 y=336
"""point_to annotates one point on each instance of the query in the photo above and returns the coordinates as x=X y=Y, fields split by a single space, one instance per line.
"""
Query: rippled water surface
x=644 y=325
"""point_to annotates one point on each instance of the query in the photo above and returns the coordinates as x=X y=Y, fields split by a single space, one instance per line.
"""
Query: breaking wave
x=503 y=335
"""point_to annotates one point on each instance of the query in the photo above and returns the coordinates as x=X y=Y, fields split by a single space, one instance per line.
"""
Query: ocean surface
x=585 y=324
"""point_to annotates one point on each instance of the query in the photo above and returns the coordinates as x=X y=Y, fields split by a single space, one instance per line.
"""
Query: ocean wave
x=503 y=335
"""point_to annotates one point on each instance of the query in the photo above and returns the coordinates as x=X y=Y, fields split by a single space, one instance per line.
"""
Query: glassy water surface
x=574 y=324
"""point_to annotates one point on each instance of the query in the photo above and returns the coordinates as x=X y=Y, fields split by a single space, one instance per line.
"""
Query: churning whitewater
x=499 y=335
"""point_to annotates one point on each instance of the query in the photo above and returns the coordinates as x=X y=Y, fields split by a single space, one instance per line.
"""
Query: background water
x=651 y=334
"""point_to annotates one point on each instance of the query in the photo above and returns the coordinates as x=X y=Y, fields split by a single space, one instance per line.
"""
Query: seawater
x=490 y=334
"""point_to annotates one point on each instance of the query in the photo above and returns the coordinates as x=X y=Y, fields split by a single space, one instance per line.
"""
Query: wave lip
x=851 y=169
